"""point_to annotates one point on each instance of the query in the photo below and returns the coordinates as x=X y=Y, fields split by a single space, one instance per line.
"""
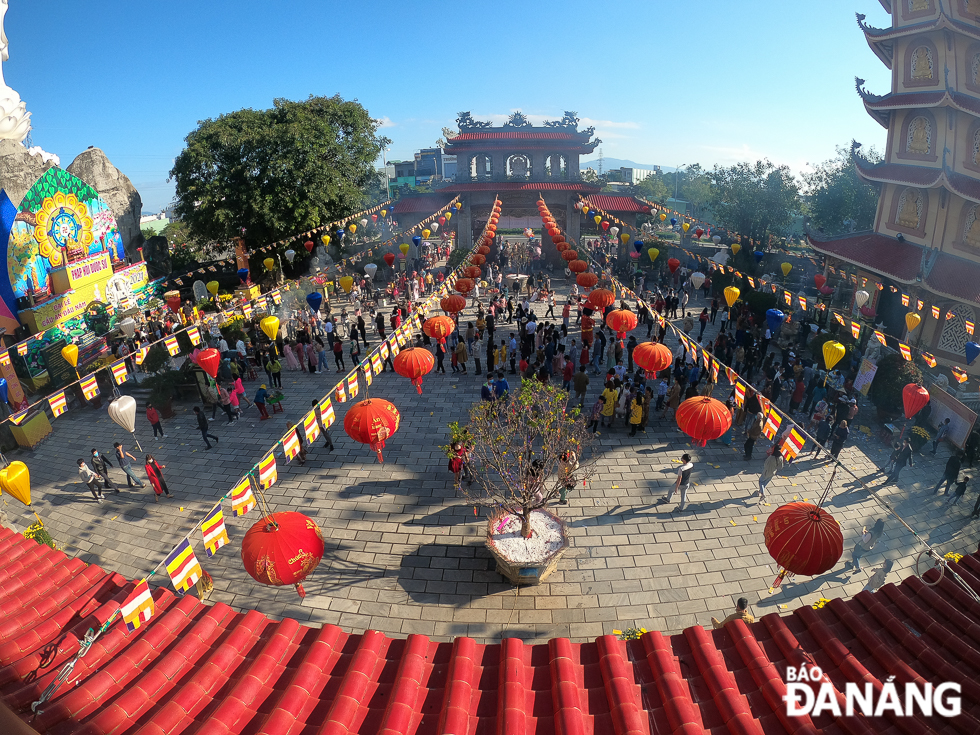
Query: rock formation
x=19 y=170
x=94 y=168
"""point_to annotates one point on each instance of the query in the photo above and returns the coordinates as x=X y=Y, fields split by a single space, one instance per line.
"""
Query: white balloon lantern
x=861 y=298
x=290 y=255
x=364 y=223
x=128 y=326
x=697 y=278
x=123 y=412
x=578 y=206
x=716 y=239
x=434 y=226
x=369 y=270
x=200 y=291
x=613 y=231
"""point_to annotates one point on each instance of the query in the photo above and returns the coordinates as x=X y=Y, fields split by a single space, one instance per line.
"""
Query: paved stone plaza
x=404 y=555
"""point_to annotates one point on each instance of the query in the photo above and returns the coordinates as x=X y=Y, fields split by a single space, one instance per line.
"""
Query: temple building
x=926 y=237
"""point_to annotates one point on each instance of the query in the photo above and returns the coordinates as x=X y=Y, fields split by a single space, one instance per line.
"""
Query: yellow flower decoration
x=61 y=221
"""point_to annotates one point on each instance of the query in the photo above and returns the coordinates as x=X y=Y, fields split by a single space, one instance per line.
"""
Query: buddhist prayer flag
x=855 y=329
x=803 y=302
x=919 y=304
x=773 y=420
x=935 y=312
x=17 y=418
x=751 y=282
x=172 y=347
x=400 y=336
x=880 y=337
x=311 y=427
x=247 y=310
x=58 y=403
x=119 y=372
x=906 y=352
x=376 y=362
x=352 y=385
x=385 y=352
x=739 y=394
x=840 y=319
x=214 y=531
x=792 y=445
x=949 y=315
x=969 y=327
x=714 y=370
x=267 y=471
x=730 y=374
x=864 y=282
x=340 y=393
x=195 y=335
x=327 y=416
x=905 y=299
x=960 y=375
x=5 y=358
x=138 y=607
x=788 y=297
x=22 y=349
x=290 y=445
x=183 y=567
x=930 y=360
x=261 y=303
x=141 y=355
x=90 y=387
x=276 y=297
x=368 y=372
x=242 y=499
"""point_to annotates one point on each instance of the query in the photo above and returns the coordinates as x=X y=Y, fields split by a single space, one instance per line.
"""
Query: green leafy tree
x=653 y=188
x=837 y=199
x=263 y=174
x=755 y=200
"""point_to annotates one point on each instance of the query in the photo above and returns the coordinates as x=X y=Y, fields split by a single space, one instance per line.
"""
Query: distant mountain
x=608 y=163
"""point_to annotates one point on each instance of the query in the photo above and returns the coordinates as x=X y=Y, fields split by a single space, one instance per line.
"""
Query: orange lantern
x=653 y=357
x=601 y=298
x=477 y=259
x=438 y=328
x=555 y=239
x=703 y=418
x=453 y=304
x=473 y=271
x=562 y=246
x=622 y=321
x=464 y=285
x=483 y=250
x=415 y=363
x=586 y=280
x=569 y=255
x=578 y=266
x=803 y=538
x=373 y=421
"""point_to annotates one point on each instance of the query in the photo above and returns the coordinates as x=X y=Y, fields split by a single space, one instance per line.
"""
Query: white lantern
x=370 y=269
x=613 y=231
x=364 y=223
x=861 y=298
x=434 y=226
x=128 y=326
x=123 y=412
x=697 y=278
x=716 y=239
x=290 y=255
x=200 y=290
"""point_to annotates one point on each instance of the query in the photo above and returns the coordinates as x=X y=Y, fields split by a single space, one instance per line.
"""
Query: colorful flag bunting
x=880 y=337
x=773 y=420
x=311 y=427
x=906 y=352
x=930 y=360
x=961 y=376
x=368 y=372
x=385 y=352
x=183 y=567
x=90 y=387
x=788 y=297
x=247 y=310
x=267 y=472
x=242 y=499
x=141 y=355
x=22 y=349
x=739 y=393
x=172 y=347
x=352 y=385
x=905 y=299
x=919 y=304
x=276 y=298
x=340 y=393
x=58 y=403
x=803 y=302
x=751 y=282
x=195 y=335
x=792 y=445
x=969 y=327
x=949 y=315
x=290 y=445
x=5 y=358
x=327 y=416
x=138 y=607
x=855 y=329
x=840 y=319
x=214 y=531
x=119 y=372
x=376 y=361
x=17 y=418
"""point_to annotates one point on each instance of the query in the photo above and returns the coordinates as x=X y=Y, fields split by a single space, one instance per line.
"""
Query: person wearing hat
x=741 y=613
x=260 y=397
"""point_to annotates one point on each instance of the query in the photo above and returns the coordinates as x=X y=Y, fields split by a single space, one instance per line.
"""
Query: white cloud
x=386 y=122
x=602 y=124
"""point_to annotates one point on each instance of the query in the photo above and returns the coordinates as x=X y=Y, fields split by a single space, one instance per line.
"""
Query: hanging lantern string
x=322 y=228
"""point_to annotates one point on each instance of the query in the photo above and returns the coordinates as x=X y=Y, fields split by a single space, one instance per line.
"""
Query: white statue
x=15 y=120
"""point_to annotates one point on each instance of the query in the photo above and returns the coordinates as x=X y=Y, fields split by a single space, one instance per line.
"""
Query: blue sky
x=665 y=83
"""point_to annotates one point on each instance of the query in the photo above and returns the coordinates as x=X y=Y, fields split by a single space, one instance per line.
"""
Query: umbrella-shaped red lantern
x=569 y=255
x=473 y=271
x=601 y=298
x=209 y=360
x=586 y=280
x=477 y=259
x=281 y=549
x=453 y=304
x=622 y=321
x=653 y=357
x=804 y=539
x=438 y=328
x=915 y=398
x=390 y=259
x=578 y=266
x=703 y=419
x=415 y=363
x=373 y=421
x=464 y=285
x=673 y=264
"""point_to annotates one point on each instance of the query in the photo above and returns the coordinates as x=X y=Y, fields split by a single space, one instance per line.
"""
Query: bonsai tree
x=529 y=449
x=894 y=373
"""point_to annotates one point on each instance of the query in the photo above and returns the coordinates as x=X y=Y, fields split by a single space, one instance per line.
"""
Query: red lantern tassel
x=299 y=590
x=377 y=447
x=418 y=385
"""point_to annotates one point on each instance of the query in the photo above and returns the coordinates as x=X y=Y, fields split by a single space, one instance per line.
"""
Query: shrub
x=894 y=373
x=39 y=533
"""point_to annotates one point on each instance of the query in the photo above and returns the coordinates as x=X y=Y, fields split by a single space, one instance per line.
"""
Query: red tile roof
x=424 y=203
x=197 y=669
x=617 y=204
x=955 y=277
x=880 y=253
x=579 y=186
x=899 y=173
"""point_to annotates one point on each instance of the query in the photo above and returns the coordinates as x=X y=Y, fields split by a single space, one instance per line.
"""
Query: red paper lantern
x=586 y=280
x=621 y=321
x=173 y=303
x=653 y=357
x=554 y=231
x=282 y=548
x=442 y=221
x=673 y=264
x=819 y=280
x=374 y=218
x=472 y=271
x=804 y=539
x=483 y=250
x=438 y=328
x=373 y=421
x=453 y=304
x=601 y=298
x=492 y=228
x=415 y=363
x=699 y=232
x=703 y=418
x=209 y=360
x=464 y=285
x=477 y=259
x=561 y=246
x=569 y=255
x=605 y=225
x=308 y=245
x=915 y=398
x=557 y=238
x=390 y=259
x=578 y=266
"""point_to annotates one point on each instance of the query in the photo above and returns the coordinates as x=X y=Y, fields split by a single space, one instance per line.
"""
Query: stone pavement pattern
x=404 y=555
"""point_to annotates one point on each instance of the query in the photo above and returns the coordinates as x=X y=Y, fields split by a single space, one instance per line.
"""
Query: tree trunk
x=526 y=523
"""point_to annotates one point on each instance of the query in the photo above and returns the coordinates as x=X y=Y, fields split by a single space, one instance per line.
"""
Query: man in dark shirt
x=950 y=473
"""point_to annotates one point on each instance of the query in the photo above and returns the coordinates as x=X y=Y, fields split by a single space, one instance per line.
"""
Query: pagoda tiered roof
x=920 y=176
x=559 y=136
x=881 y=40
x=881 y=106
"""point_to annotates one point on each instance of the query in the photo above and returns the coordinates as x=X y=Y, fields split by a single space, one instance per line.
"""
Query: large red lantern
x=621 y=321
x=703 y=419
x=209 y=360
x=569 y=255
x=562 y=246
x=483 y=250
x=915 y=398
x=438 y=328
x=372 y=422
x=414 y=363
x=804 y=539
x=653 y=357
x=472 y=271
x=555 y=239
x=673 y=264
x=491 y=228
x=453 y=304
x=477 y=259
x=554 y=232
x=578 y=266
x=282 y=548
x=600 y=298
x=390 y=259
x=464 y=285
x=819 y=280
x=586 y=280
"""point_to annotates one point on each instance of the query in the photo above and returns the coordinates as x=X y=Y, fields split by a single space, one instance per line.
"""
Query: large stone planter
x=526 y=562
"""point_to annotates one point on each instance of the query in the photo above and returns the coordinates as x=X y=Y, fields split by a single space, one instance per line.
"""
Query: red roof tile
x=195 y=668
x=617 y=204
x=882 y=254
x=425 y=203
x=579 y=186
x=955 y=277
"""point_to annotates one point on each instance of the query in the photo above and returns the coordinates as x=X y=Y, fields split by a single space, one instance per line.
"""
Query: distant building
x=636 y=175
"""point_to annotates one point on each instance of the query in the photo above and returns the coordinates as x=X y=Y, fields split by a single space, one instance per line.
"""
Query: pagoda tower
x=926 y=238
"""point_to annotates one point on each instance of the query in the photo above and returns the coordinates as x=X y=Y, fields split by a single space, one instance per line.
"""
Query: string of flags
x=338 y=224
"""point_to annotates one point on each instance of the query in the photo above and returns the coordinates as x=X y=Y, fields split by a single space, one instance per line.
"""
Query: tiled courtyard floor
x=404 y=555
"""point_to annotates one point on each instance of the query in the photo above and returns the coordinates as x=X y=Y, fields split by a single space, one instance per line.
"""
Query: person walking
x=866 y=543
x=941 y=433
x=461 y=356
x=101 y=465
x=840 y=436
x=338 y=353
x=124 y=457
x=224 y=398
x=153 y=416
x=753 y=433
x=202 y=424
x=959 y=492
x=774 y=463
x=580 y=382
x=274 y=368
x=260 y=398
x=154 y=472
x=902 y=458
x=440 y=357
x=683 y=482
x=91 y=479
x=824 y=429
x=950 y=473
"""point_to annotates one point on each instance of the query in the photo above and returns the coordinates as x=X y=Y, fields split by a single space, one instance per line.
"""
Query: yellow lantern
x=352 y=227
x=662 y=216
x=384 y=212
x=15 y=480
x=625 y=238
x=653 y=253
x=70 y=353
x=585 y=209
x=735 y=248
x=731 y=295
x=786 y=268
x=270 y=325
x=597 y=218
x=426 y=232
x=449 y=216
x=346 y=283
x=832 y=353
x=404 y=248
x=912 y=320
x=686 y=226
x=213 y=287
x=325 y=239
x=269 y=264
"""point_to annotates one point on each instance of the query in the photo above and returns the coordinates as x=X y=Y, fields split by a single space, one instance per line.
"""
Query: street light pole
x=677 y=174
